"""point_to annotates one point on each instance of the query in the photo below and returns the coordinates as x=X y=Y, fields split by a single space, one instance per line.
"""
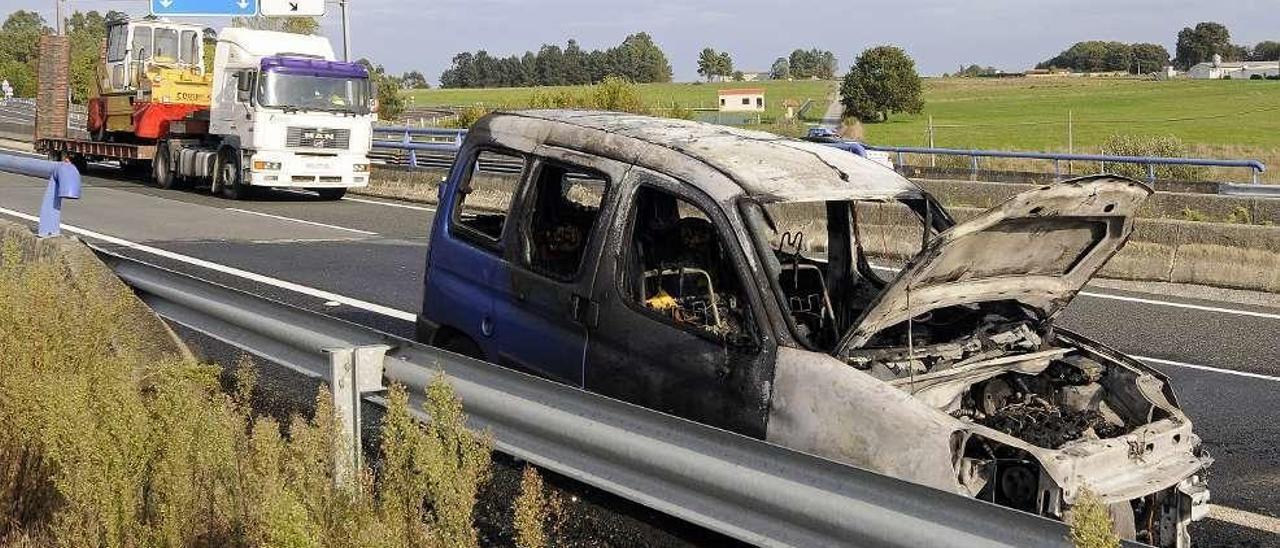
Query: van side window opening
x=565 y=206
x=679 y=268
x=484 y=198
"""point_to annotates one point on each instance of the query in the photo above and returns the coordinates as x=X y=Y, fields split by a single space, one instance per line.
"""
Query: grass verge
x=104 y=443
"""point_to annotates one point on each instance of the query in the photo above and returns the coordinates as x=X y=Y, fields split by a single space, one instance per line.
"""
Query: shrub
x=1240 y=215
x=468 y=115
x=1090 y=523
x=1194 y=215
x=102 y=444
x=1167 y=146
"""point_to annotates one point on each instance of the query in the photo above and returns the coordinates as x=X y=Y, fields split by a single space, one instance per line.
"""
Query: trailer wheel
x=227 y=181
x=162 y=169
x=331 y=193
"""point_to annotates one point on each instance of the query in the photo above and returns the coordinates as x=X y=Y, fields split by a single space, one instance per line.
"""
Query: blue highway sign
x=204 y=7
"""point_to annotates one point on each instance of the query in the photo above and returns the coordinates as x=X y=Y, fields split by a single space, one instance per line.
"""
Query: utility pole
x=346 y=32
x=58 y=10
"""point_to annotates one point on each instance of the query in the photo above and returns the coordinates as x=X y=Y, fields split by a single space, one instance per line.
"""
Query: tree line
x=637 y=59
x=1195 y=45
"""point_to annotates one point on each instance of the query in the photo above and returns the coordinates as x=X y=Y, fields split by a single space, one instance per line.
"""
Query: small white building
x=1240 y=70
x=742 y=100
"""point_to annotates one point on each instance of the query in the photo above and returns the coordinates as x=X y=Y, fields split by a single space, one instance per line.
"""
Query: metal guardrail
x=739 y=486
x=410 y=143
x=1254 y=166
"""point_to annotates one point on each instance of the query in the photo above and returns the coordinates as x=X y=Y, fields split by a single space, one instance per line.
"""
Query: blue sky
x=939 y=34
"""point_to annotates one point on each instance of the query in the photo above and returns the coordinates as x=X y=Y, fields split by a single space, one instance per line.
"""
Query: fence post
x=353 y=372
x=1151 y=173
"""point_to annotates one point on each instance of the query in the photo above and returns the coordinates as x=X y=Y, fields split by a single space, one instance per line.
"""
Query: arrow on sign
x=166 y=3
x=293 y=6
x=243 y=4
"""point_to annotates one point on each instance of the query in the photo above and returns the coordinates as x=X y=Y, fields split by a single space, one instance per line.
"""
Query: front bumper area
x=307 y=171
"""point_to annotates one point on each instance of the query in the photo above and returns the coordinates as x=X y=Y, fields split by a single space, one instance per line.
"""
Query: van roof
x=763 y=165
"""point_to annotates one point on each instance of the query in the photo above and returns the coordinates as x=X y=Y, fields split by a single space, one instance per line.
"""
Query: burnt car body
x=736 y=278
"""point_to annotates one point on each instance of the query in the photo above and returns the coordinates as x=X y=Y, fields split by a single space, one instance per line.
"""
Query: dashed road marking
x=1207 y=368
x=390 y=204
x=1244 y=518
x=302 y=221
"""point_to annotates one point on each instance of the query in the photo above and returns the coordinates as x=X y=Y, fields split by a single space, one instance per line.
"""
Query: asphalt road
x=362 y=260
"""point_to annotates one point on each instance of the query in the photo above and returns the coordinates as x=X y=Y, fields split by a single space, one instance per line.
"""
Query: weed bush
x=1090 y=523
x=1167 y=146
x=102 y=444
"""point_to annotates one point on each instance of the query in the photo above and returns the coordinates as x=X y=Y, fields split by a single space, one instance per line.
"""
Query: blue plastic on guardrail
x=64 y=182
x=406 y=142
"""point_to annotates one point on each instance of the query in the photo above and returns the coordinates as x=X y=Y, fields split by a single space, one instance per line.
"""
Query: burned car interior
x=679 y=268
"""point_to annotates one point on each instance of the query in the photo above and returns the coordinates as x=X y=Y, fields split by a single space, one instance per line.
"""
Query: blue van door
x=543 y=305
x=466 y=263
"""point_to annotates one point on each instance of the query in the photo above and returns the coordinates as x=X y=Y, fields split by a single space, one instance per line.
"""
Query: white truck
x=278 y=111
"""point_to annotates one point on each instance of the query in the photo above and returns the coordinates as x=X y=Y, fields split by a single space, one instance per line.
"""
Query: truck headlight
x=259 y=165
x=360 y=168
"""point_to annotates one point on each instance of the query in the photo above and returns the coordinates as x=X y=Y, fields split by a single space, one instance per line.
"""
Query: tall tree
x=709 y=63
x=781 y=69
x=1200 y=44
x=19 y=50
x=414 y=80
x=1149 y=58
x=883 y=80
x=1265 y=51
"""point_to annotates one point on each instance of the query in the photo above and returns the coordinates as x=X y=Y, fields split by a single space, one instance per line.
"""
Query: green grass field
x=688 y=95
x=1031 y=113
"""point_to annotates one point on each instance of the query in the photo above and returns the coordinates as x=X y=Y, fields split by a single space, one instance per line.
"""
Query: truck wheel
x=162 y=169
x=227 y=180
x=331 y=193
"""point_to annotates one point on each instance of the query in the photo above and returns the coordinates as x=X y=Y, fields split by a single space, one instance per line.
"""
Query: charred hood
x=1039 y=249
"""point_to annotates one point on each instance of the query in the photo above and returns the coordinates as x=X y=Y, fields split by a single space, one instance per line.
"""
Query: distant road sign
x=296 y=8
x=212 y=8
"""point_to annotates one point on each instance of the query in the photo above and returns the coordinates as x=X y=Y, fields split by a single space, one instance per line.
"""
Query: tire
x=162 y=169
x=331 y=193
x=227 y=180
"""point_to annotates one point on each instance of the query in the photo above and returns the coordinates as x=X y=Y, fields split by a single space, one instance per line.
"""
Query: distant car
x=745 y=281
x=822 y=135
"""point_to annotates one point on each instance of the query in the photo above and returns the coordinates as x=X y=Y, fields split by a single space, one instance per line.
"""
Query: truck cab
x=813 y=298
x=287 y=114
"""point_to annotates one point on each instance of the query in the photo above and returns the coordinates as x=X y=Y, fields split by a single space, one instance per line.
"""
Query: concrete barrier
x=86 y=275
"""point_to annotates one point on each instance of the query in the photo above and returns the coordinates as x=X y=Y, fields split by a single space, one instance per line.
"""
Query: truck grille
x=310 y=137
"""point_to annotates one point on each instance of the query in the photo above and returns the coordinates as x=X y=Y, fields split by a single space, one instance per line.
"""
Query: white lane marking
x=1236 y=311
x=1207 y=368
x=252 y=276
x=391 y=204
x=303 y=221
x=1244 y=518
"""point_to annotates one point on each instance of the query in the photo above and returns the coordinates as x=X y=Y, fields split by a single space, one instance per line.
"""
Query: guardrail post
x=973 y=167
x=900 y=158
x=1151 y=173
x=1057 y=173
x=353 y=372
x=1255 y=175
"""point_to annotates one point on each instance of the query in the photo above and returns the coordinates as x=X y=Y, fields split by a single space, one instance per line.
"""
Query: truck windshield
x=308 y=92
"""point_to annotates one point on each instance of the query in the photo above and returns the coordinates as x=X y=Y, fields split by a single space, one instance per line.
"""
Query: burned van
x=804 y=295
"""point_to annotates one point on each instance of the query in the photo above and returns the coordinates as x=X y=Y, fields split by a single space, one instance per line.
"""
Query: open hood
x=1038 y=248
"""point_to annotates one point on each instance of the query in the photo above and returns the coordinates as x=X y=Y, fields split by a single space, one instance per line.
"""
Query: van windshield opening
x=828 y=261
